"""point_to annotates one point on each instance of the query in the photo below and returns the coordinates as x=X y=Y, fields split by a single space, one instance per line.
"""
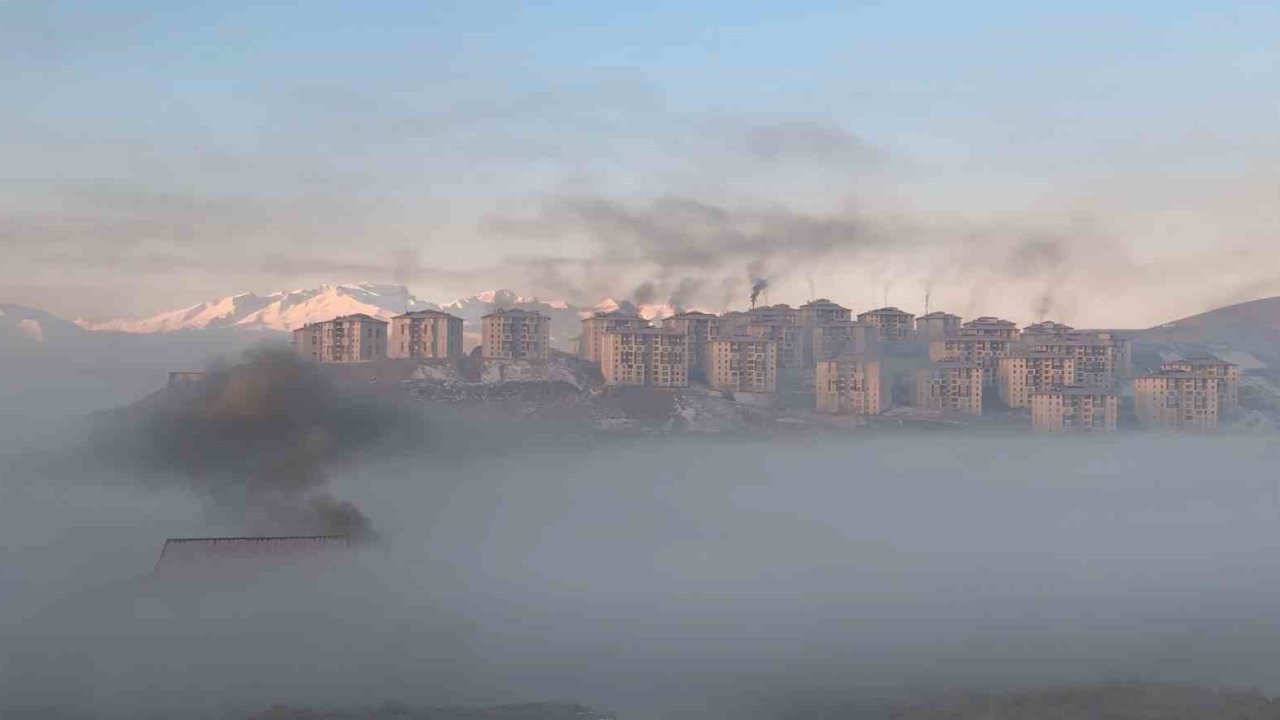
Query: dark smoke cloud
x=259 y=439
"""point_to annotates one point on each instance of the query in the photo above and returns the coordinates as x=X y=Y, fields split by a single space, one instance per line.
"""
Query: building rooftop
x=621 y=314
x=179 y=552
x=987 y=321
x=358 y=317
x=822 y=302
x=514 y=312
x=1199 y=361
x=889 y=310
x=426 y=314
x=938 y=315
x=692 y=314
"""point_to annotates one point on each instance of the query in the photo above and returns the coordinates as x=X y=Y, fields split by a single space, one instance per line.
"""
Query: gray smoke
x=259 y=439
x=758 y=286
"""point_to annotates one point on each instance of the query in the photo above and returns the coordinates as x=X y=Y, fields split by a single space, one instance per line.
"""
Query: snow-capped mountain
x=282 y=311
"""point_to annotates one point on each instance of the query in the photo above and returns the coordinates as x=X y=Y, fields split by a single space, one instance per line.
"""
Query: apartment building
x=950 y=385
x=649 y=357
x=1100 y=357
x=701 y=328
x=515 y=335
x=1177 y=400
x=936 y=326
x=853 y=385
x=830 y=340
x=982 y=350
x=742 y=363
x=774 y=313
x=1020 y=375
x=1227 y=373
x=591 y=342
x=893 y=324
x=987 y=326
x=788 y=336
x=1074 y=409
x=346 y=339
x=428 y=334
x=823 y=311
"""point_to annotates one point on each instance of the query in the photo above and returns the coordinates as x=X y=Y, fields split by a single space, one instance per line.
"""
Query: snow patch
x=31 y=328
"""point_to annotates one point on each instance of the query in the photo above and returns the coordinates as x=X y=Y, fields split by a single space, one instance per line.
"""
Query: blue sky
x=163 y=152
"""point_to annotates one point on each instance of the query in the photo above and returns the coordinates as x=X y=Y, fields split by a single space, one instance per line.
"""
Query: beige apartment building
x=1227 y=373
x=830 y=340
x=773 y=313
x=982 y=350
x=346 y=339
x=1074 y=409
x=893 y=324
x=936 y=326
x=823 y=311
x=649 y=357
x=988 y=326
x=701 y=328
x=950 y=385
x=1019 y=376
x=742 y=363
x=1177 y=400
x=788 y=336
x=591 y=343
x=428 y=334
x=853 y=385
x=515 y=335
x=1098 y=356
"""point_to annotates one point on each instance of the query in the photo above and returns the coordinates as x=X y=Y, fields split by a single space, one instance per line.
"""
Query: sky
x=1102 y=164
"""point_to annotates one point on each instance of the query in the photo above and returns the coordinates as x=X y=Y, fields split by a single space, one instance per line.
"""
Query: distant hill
x=1250 y=326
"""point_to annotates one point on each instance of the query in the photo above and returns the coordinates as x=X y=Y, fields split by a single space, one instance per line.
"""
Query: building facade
x=346 y=339
x=936 y=326
x=988 y=326
x=515 y=335
x=701 y=328
x=743 y=363
x=852 y=385
x=789 y=338
x=1020 y=375
x=831 y=340
x=428 y=334
x=1227 y=373
x=1099 y=357
x=893 y=324
x=950 y=385
x=591 y=343
x=1074 y=409
x=823 y=311
x=982 y=350
x=648 y=357
x=1177 y=400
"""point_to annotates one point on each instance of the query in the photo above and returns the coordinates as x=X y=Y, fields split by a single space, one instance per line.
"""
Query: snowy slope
x=276 y=311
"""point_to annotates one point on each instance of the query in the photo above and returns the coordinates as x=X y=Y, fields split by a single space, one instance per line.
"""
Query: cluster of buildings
x=1063 y=378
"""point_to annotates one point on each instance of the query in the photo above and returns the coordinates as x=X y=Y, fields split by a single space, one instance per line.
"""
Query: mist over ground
x=662 y=577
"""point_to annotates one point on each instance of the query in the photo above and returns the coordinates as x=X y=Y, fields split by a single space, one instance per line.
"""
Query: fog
x=656 y=577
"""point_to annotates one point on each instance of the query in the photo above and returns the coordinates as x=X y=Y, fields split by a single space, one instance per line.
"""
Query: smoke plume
x=758 y=286
x=259 y=439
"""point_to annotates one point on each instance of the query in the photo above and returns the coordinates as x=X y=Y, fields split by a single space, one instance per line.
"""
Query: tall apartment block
x=742 y=363
x=993 y=327
x=823 y=311
x=515 y=335
x=1099 y=357
x=591 y=343
x=788 y=336
x=894 y=325
x=701 y=328
x=1020 y=375
x=1177 y=400
x=1227 y=373
x=937 y=325
x=853 y=385
x=648 y=357
x=346 y=339
x=981 y=350
x=830 y=340
x=773 y=313
x=428 y=334
x=950 y=385
x=1074 y=409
